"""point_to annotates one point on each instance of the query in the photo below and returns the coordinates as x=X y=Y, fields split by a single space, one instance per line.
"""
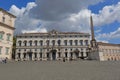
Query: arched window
x=25 y=43
x=70 y=42
x=30 y=42
x=65 y=42
x=20 y=43
x=47 y=42
x=59 y=42
x=81 y=42
x=76 y=42
x=86 y=42
x=41 y=42
x=35 y=42
x=53 y=42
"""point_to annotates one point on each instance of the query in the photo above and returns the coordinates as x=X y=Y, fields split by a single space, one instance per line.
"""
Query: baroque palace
x=56 y=45
x=6 y=33
x=53 y=45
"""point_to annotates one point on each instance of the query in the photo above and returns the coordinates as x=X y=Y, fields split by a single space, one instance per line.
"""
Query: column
x=33 y=56
x=21 y=56
x=73 y=55
x=50 y=56
x=27 y=56
x=84 y=52
x=68 y=55
x=62 y=54
x=16 y=56
x=56 y=55
x=38 y=56
x=44 y=57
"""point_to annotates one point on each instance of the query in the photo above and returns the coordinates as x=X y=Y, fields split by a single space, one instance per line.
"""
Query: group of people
x=65 y=59
x=3 y=60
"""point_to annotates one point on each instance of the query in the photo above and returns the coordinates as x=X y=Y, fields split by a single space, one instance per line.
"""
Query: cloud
x=111 y=35
x=104 y=41
x=62 y=15
x=107 y=15
x=57 y=10
x=23 y=20
x=35 y=30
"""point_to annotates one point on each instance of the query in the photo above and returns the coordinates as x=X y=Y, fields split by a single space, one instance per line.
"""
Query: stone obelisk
x=93 y=41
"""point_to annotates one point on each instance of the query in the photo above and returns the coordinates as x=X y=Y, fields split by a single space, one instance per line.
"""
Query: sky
x=67 y=15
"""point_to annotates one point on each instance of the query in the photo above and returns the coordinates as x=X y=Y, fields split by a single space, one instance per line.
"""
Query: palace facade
x=109 y=51
x=53 y=45
x=6 y=33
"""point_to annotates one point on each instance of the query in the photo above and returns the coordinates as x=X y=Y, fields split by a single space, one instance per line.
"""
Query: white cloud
x=32 y=17
x=35 y=30
x=57 y=10
x=107 y=15
x=111 y=35
x=104 y=41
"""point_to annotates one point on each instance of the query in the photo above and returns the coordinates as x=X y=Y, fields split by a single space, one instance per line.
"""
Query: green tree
x=14 y=47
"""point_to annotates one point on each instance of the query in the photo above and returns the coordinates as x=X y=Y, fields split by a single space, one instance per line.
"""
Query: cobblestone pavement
x=56 y=70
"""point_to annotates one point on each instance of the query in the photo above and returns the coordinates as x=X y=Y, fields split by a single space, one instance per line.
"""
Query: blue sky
x=6 y=4
x=107 y=31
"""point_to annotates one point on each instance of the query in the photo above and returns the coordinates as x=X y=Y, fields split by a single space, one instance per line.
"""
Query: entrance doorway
x=30 y=55
x=54 y=54
x=77 y=54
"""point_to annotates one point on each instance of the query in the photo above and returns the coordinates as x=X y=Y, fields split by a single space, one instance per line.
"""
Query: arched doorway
x=24 y=56
x=19 y=56
x=54 y=54
x=30 y=55
x=48 y=56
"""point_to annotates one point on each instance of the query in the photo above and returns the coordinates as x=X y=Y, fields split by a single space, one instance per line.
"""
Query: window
x=35 y=42
x=25 y=43
x=53 y=42
x=59 y=42
x=1 y=36
x=0 y=50
x=3 y=19
x=86 y=42
x=47 y=42
x=76 y=42
x=30 y=43
x=75 y=35
x=35 y=49
x=7 y=51
x=19 y=42
x=81 y=42
x=70 y=42
x=41 y=43
x=65 y=42
x=8 y=37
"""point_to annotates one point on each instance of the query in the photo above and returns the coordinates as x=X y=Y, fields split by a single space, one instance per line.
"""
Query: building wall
x=44 y=49
x=6 y=29
x=110 y=51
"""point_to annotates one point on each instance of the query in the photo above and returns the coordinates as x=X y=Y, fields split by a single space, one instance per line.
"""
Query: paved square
x=56 y=70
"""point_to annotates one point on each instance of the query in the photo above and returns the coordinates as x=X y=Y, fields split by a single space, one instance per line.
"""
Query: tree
x=14 y=47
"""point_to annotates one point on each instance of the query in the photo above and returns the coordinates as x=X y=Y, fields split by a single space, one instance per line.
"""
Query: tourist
x=63 y=59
